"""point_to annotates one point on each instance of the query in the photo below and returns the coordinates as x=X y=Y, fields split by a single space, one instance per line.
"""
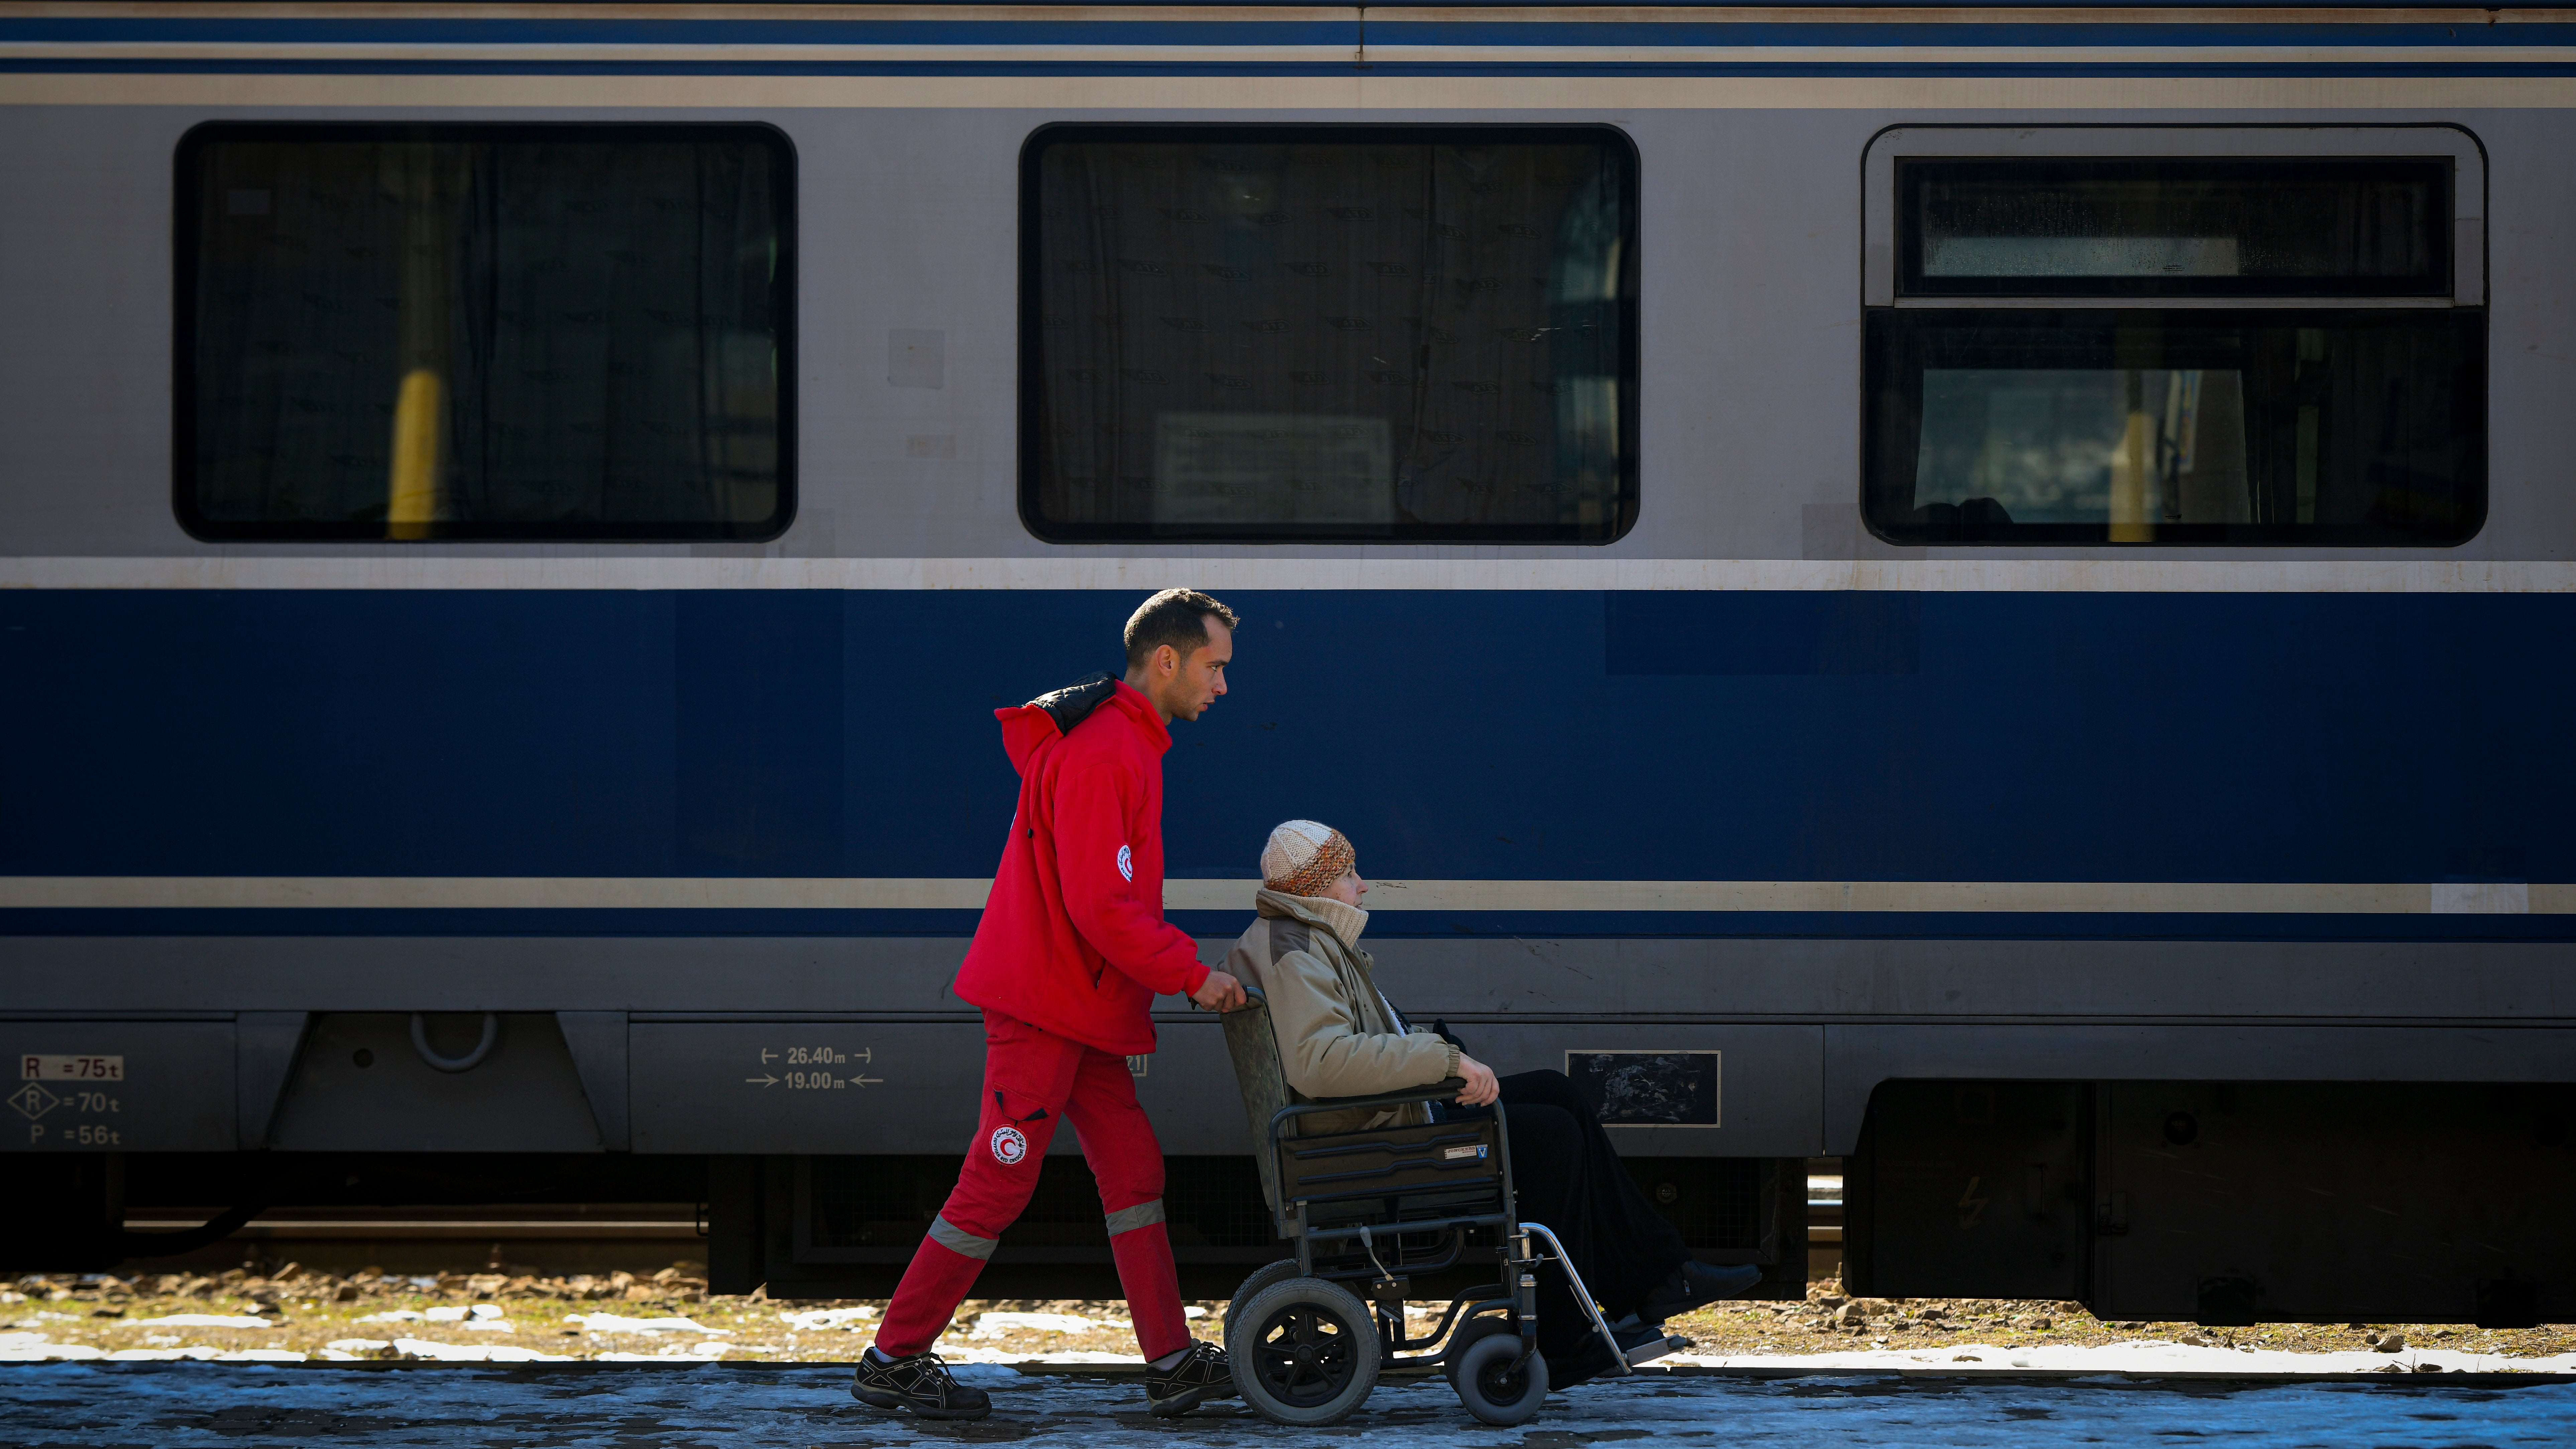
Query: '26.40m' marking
x=804 y=1081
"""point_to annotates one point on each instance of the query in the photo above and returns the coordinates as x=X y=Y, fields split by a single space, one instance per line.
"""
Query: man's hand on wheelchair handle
x=1219 y=992
x=1481 y=1088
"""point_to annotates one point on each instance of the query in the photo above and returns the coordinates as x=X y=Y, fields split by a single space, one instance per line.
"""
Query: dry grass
x=309 y=1311
x=1828 y=1322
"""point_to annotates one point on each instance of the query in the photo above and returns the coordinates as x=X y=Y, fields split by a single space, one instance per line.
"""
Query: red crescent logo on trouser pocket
x=1009 y=1146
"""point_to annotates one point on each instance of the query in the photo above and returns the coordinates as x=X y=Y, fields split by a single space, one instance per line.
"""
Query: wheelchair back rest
x=1439 y=1158
x=1255 y=1050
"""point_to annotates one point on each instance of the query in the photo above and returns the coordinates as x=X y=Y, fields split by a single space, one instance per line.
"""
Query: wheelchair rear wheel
x=1479 y=1365
x=1262 y=1277
x=1304 y=1352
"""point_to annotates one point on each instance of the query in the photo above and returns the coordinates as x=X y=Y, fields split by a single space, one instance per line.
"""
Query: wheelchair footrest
x=1648 y=1352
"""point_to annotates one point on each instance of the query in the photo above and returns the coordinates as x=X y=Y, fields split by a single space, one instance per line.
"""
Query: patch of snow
x=687 y=1352
x=2138 y=1356
x=994 y=1325
x=208 y=1320
x=849 y=1318
x=1196 y=1312
x=260 y=1355
x=153 y=1355
x=359 y=1345
x=446 y=1313
x=618 y=1323
x=489 y=1310
x=35 y=1347
x=333 y=1355
x=475 y=1352
x=397 y=1315
x=957 y=1353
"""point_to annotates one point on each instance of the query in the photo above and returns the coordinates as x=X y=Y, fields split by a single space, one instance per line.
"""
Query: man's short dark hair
x=1172 y=617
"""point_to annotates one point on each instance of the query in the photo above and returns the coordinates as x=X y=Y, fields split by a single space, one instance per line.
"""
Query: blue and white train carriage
x=1984 y=592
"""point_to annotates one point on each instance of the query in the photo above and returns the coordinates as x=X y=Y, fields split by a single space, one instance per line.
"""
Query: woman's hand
x=1481 y=1088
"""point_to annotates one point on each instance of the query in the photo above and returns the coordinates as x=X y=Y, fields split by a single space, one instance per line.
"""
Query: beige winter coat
x=1337 y=1035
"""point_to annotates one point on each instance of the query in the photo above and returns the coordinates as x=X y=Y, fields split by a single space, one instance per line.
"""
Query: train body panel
x=1841 y=832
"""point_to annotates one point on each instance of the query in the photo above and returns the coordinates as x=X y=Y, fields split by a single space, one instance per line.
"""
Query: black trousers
x=1568 y=1176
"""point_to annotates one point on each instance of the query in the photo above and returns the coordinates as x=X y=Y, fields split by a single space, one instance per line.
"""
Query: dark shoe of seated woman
x=1638 y=1343
x=1695 y=1285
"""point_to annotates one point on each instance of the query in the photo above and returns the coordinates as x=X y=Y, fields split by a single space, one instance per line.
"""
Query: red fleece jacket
x=1073 y=938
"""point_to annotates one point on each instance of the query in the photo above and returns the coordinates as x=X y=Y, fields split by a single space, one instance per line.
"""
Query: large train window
x=1279 y=333
x=2176 y=336
x=455 y=332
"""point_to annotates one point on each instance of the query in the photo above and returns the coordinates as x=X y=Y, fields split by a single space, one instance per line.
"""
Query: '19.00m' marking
x=801 y=1081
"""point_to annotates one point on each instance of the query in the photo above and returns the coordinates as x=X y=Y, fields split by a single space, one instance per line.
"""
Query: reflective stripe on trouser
x=1032 y=1080
x=1128 y=1220
x=957 y=1240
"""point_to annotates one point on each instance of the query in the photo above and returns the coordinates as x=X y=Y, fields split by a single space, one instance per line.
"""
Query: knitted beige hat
x=1303 y=857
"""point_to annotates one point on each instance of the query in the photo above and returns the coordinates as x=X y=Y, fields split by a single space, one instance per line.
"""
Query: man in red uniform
x=1066 y=963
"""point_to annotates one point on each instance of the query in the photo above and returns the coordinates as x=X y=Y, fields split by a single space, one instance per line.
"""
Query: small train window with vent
x=1329 y=333
x=2173 y=337
x=462 y=332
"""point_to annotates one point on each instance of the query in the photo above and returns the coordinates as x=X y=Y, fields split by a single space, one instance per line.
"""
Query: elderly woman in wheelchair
x=1387 y=1151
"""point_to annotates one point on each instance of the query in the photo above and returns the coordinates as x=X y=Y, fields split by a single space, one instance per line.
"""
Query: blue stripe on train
x=1465 y=735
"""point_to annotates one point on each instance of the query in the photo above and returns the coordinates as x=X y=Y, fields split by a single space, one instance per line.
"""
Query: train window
x=2112 y=348
x=2147 y=227
x=1329 y=333
x=2180 y=426
x=485 y=332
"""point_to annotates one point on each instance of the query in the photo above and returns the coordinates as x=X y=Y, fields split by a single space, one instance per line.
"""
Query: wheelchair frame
x=1516 y=1295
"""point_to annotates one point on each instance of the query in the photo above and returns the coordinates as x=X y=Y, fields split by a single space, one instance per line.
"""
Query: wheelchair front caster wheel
x=1304 y=1352
x=1482 y=1373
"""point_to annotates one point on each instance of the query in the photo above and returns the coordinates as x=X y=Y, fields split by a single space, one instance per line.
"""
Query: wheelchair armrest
x=1446 y=1087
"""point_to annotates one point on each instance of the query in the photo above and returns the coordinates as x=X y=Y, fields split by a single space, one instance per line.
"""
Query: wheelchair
x=1365 y=1211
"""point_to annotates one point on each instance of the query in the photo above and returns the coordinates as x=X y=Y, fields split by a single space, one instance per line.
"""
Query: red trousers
x=1032 y=1080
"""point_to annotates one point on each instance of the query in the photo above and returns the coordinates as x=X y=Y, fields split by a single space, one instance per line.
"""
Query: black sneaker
x=919 y=1382
x=1694 y=1284
x=1201 y=1375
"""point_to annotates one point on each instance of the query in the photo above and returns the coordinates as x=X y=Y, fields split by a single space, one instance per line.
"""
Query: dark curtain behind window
x=599 y=323
x=1333 y=339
